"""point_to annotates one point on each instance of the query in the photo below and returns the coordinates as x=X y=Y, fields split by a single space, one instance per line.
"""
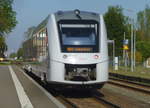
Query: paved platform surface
x=8 y=94
x=29 y=96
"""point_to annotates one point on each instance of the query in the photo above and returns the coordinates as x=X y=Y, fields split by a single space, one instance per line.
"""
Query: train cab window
x=79 y=36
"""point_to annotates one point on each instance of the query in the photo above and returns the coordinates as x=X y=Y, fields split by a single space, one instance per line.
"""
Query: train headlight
x=65 y=56
x=1 y=59
x=96 y=56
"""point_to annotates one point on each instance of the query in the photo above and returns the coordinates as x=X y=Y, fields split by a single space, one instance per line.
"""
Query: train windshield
x=78 y=34
x=79 y=37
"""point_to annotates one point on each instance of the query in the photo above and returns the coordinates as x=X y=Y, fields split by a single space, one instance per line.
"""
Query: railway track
x=130 y=85
x=67 y=102
x=132 y=82
x=106 y=102
x=139 y=80
x=78 y=100
x=94 y=100
x=73 y=100
x=98 y=99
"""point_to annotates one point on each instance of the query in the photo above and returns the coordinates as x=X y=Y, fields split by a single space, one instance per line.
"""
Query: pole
x=132 y=41
x=113 y=53
x=132 y=48
x=125 y=52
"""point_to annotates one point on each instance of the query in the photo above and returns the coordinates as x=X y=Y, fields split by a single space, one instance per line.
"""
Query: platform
x=19 y=91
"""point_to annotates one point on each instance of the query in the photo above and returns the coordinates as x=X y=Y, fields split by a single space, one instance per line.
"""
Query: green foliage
x=3 y=46
x=138 y=57
x=117 y=25
x=20 y=53
x=143 y=32
x=7 y=22
x=144 y=48
x=13 y=55
x=143 y=24
x=7 y=17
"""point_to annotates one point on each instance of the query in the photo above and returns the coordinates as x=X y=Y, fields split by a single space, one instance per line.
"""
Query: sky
x=32 y=12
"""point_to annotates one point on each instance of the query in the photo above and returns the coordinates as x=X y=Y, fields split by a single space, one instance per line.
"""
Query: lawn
x=5 y=63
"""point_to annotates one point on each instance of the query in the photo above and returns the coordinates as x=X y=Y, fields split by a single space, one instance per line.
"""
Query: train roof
x=60 y=15
x=67 y=15
x=74 y=11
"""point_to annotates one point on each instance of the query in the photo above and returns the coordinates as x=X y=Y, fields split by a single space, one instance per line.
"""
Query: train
x=69 y=49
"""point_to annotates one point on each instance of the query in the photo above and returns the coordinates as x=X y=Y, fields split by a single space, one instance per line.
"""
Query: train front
x=77 y=49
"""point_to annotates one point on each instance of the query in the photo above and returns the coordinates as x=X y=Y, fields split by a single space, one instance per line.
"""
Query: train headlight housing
x=65 y=56
x=1 y=59
x=96 y=56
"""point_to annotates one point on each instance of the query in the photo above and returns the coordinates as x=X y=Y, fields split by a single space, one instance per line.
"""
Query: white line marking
x=23 y=98
x=52 y=98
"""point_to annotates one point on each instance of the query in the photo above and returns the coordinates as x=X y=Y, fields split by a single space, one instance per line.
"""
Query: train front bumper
x=77 y=85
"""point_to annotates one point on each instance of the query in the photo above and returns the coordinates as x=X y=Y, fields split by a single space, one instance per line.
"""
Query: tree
x=143 y=33
x=7 y=17
x=20 y=53
x=116 y=24
x=143 y=24
x=13 y=55
x=144 y=48
x=3 y=46
x=7 y=22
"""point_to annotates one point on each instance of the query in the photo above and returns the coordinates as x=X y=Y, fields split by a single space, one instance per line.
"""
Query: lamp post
x=132 y=56
x=133 y=42
x=134 y=46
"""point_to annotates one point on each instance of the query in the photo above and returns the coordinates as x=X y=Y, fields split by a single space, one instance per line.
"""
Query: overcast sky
x=32 y=12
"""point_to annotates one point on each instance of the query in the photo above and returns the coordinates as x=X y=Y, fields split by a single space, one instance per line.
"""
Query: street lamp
x=132 y=50
x=133 y=42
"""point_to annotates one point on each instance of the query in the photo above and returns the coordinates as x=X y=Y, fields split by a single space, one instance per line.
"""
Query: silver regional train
x=69 y=48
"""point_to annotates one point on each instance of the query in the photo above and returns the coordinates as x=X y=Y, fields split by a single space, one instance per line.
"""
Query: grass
x=139 y=71
x=5 y=63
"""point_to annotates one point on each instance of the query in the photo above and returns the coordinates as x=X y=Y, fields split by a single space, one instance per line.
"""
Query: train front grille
x=80 y=72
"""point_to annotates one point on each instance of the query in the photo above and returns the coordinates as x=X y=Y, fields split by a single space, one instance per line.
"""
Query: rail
x=142 y=81
x=129 y=85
